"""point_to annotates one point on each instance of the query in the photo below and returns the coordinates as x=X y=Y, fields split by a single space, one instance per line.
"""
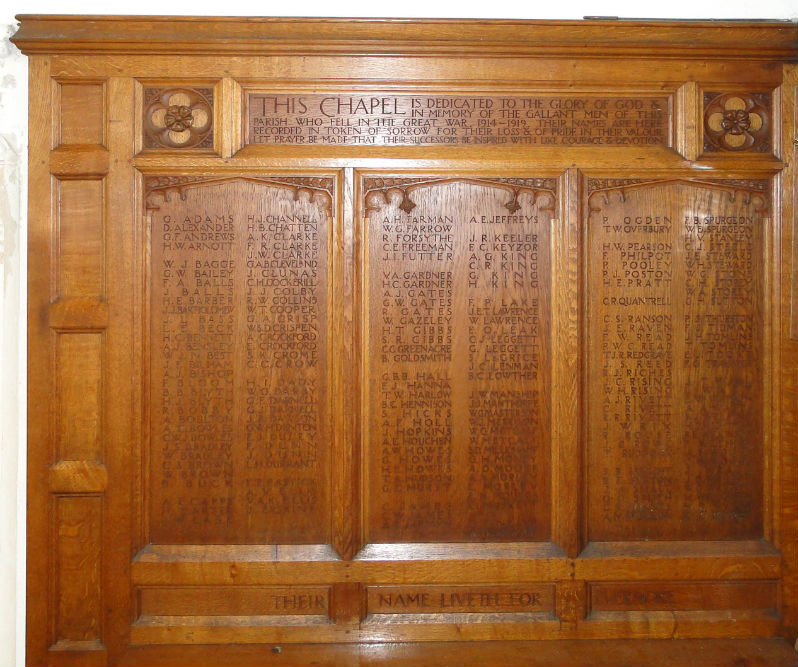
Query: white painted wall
x=13 y=266
x=13 y=158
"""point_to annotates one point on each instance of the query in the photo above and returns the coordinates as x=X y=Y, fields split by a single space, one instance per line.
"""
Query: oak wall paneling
x=411 y=342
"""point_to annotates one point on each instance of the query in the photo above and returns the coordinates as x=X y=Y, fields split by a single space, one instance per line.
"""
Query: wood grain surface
x=511 y=384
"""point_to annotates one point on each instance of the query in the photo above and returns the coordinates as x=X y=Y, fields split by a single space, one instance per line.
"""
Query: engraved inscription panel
x=384 y=119
x=233 y=600
x=458 y=359
x=515 y=598
x=673 y=596
x=239 y=416
x=675 y=344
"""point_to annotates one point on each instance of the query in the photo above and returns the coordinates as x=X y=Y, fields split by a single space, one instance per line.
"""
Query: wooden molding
x=495 y=38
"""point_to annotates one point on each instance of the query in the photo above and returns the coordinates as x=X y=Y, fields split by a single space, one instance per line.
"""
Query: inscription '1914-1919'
x=408 y=120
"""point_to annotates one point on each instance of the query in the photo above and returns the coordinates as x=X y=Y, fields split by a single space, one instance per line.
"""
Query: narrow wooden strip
x=78 y=477
x=678 y=549
x=79 y=160
x=448 y=551
x=219 y=553
x=77 y=654
x=309 y=573
x=786 y=454
x=345 y=480
x=78 y=313
x=679 y=624
x=570 y=653
x=687 y=126
x=566 y=463
x=122 y=362
x=41 y=404
x=233 y=629
x=733 y=565
x=631 y=627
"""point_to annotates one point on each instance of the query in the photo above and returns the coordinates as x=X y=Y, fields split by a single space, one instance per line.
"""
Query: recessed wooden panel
x=80 y=369
x=238 y=352
x=78 y=530
x=81 y=234
x=458 y=358
x=82 y=113
x=675 y=372
x=232 y=601
x=519 y=598
x=673 y=596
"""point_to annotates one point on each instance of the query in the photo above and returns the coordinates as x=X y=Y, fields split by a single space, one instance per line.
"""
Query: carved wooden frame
x=93 y=183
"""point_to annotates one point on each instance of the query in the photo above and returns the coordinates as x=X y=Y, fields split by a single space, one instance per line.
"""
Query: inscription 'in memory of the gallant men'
x=411 y=120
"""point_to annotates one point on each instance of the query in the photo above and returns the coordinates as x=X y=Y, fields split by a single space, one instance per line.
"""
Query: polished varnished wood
x=674 y=353
x=385 y=119
x=458 y=364
x=596 y=653
x=239 y=360
x=345 y=348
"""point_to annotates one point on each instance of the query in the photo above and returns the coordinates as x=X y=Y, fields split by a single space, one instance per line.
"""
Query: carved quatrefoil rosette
x=178 y=118
x=736 y=122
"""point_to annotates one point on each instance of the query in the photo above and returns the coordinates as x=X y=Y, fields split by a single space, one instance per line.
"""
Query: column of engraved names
x=722 y=348
x=506 y=367
x=283 y=302
x=633 y=342
x=416 y=281
x=193 y=374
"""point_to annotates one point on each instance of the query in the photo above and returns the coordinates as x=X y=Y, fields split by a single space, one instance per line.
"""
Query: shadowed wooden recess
x=394 y=342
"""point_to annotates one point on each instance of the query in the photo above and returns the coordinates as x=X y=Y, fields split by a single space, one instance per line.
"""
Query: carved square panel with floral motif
x=737 y=122
x=177 y=118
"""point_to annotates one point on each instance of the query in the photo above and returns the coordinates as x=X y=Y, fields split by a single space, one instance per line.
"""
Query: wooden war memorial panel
x=675 y=356
x=239 y=332
x=391 y=342
x=458 y=360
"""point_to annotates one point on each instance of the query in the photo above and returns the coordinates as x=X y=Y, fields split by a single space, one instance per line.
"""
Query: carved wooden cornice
x=766 y=40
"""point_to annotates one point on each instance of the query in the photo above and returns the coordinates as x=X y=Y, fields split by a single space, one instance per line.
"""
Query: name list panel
x=239 y=405
x=675 y=357
x=458 y=360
